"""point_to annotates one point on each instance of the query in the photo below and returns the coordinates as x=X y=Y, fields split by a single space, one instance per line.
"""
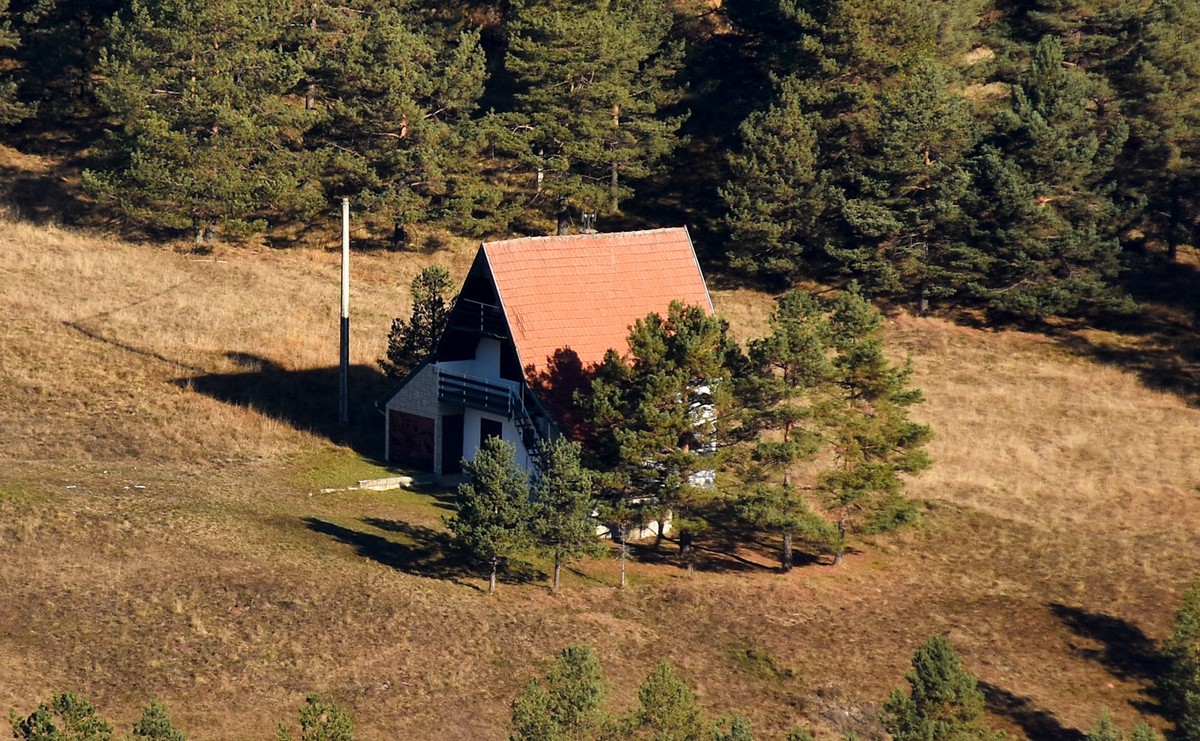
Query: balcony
x=476 y=393
x=483 y=319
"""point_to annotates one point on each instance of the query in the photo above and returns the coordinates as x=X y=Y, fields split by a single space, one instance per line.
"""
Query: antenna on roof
x=589 y=223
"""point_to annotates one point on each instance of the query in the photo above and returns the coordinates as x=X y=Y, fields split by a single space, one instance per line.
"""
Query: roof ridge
x=594 y=235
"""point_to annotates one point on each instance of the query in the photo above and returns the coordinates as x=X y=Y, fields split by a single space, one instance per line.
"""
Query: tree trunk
x=86 y=84
x=841 y=546
x=205 y=230
x=399 y=235
x=557 y=571
x=922 y=299
x=310 y=91
x=785 y=560
x=1176 y=220
x=612 y=185
x=686 y=549
x=624 y=554
x=492 y=577
x=612 y=189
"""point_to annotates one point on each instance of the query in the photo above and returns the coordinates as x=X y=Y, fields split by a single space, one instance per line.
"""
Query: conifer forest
x=1010 y=155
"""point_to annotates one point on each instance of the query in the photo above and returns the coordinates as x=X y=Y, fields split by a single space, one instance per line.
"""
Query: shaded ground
x=1161 y=341
x=1124 y=650
x=1038 y=724
x=306 y=399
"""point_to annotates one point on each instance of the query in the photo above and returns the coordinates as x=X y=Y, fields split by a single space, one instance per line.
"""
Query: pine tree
x=907 y=234
x=739 y=730
x=66 y=718
x=799 y=733
x=1045 y=210
x=943 y=701
x=1178 y=686
x=784 y=399
x=1107 y=730
x=821 y=385
x=493 y=507
x=1098 y=34
x=777 y=34
x=11 y=108
x=1163 y=95
x=563 y=504
x=858 y=164
x=390 y=105
x=59 y=53
x=321 y=720
x=594 y=79
x=667 y=710
x=197 y=89
x=873 y=439
x=1143 y=732
x=565 y=705
x=656 y=417
x=778 y=194
x=154 y=725
x=409 y=342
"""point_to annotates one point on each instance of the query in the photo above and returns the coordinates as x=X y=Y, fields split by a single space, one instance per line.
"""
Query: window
x=490 y=428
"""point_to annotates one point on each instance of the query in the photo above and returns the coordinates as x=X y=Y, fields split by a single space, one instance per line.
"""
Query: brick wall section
x=420 y=396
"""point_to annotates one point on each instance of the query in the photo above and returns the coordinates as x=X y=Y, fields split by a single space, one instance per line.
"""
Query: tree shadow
x=442 y=497
x=49 y=189
x=1038 y=723
x=555 y=385
x=437 y=548
x=41 y=197
x=1125 y=651
x=148 y=354
x=727 y=538
x=585 y=576
x=723 y=556
x=305 y=399
x=719 y=552
x=1161 y=342
x=723 y=553
x=419 y=550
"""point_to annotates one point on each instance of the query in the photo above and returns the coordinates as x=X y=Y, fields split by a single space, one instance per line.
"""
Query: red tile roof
x=569 y=299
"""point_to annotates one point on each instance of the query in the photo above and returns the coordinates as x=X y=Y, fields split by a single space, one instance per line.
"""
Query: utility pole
x=344 y=386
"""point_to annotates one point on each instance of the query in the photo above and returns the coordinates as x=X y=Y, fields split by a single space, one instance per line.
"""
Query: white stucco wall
x=472 y=441
x=485 y=364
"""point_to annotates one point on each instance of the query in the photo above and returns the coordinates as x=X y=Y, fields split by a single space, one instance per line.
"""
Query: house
x=533 y=317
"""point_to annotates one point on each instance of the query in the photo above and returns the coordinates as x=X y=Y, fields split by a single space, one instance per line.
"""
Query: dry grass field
x=166 y=429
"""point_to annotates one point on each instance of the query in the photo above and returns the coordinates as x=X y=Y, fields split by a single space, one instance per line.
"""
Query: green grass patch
x=15 y=492
x=335 y=468
x=760 y=663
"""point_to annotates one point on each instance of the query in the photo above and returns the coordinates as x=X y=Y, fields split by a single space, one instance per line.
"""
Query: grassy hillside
x=167 y=428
